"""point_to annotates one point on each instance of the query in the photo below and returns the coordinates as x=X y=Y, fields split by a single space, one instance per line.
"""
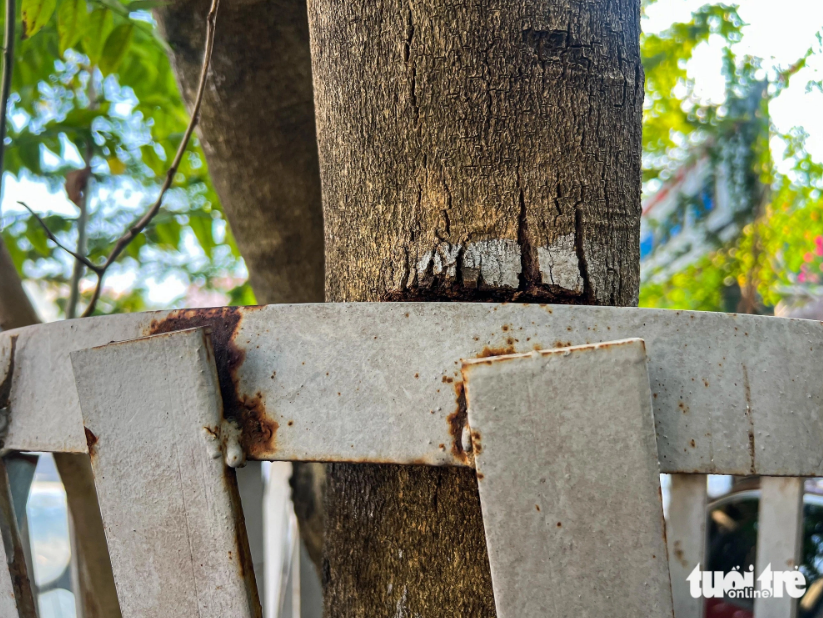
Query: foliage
x=92 y=86
x=778 y=253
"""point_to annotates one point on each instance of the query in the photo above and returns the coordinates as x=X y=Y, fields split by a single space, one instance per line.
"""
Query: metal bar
x=16 y=598
x=95 y=591
x=250 y=484
x=779 y=537
x=20 y=468
x=170 y=507
x=569 y=482
x=323 y=382
x=686 y=540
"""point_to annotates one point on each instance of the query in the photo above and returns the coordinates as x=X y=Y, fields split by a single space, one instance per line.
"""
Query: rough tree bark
x=258 y=133
x=16 y=310
x=468 y=151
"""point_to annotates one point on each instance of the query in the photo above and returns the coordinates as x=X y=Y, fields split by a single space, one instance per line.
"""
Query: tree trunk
x=258 y=133
x=486 y=151
x=16 y=310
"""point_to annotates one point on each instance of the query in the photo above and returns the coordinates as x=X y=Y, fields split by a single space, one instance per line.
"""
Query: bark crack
x=529 y=269
x=581 y=252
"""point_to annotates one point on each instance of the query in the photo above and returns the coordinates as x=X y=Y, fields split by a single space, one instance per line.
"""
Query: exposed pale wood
x=569 y=482
x=779 y=538
x=170 y=507
x=686 y=540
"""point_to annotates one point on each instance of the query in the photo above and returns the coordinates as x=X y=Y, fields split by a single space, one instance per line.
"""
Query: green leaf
x=242 y=295
x=72 y=19
x=36 y=14
x=29 y=152
x=117 y=44
x=202 y=225
x=145 y=5
x=97 y=31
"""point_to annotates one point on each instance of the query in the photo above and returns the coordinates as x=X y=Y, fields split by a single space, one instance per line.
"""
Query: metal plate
x=569 y=482
x=170 y=507
x=326 y=382
x=16 y=598
x=686 y=540
x=779 y=539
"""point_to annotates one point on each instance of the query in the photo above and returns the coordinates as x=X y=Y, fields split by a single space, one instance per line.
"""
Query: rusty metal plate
x=327 y=382
x=170 y=507
x=566 y=461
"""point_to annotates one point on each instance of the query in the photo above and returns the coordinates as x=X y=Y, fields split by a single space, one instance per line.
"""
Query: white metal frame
x=729 y=394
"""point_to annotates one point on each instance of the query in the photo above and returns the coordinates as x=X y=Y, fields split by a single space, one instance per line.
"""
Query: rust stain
x=536 y=507
x=91 y=442
x=447 y=380
x=477 y=445
x=501 y=351
x=249 y=412
x=259 y=431
x=457 y=420
x=682 y=405
x=480 y=476
x=678 y=553
x=5 y=385
x=505 y=327
x=748 y=393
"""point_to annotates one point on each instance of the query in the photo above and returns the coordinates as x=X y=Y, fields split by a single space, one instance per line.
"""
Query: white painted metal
x=779 y=538
x=16 y=598
x=686 y=540
x=251 y=485
x=170 y=507
x=569 y=482
x=8 y=605
x=730 y=392
x=277 y=508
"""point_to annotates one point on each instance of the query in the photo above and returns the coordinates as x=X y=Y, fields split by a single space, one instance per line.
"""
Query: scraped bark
x=485 y=150
x=468 y=151
x=258 y=133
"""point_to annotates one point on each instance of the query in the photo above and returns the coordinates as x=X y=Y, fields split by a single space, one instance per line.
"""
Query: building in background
x=706 y=202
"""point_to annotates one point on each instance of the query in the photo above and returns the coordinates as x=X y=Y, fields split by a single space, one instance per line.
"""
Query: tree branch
x=5 y=88
x=139 y=225
x=80 y=258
